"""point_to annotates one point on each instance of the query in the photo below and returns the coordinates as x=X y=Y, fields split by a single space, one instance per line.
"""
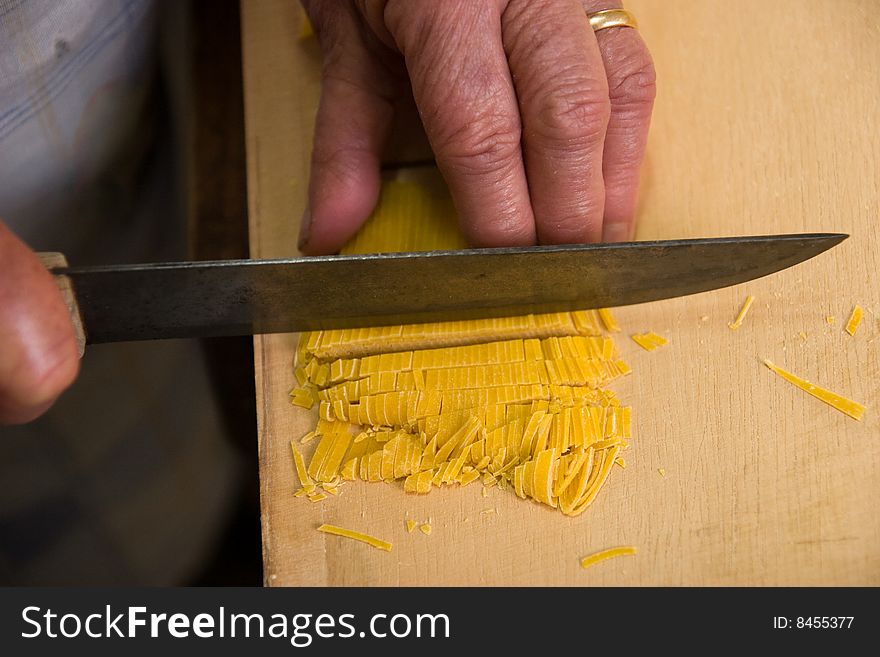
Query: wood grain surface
x=766 y=121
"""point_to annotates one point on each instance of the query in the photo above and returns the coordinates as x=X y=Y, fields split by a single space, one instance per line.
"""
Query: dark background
x=217 y=214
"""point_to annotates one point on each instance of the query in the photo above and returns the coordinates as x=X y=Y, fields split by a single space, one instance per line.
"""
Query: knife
x=244 y=297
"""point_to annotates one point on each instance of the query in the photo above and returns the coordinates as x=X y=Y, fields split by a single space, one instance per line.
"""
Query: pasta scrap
x=854 y=320
x=302 y=397
x=842 y=404
x=608 y=320
x=736 y=323
x=595 y=558
x=357 y=536
x=649 y=341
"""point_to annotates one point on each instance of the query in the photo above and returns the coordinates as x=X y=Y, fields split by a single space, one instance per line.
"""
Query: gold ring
x=602 y=20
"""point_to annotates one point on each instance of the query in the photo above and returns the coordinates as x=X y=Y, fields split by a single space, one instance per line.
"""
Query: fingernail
x=305 y=226
x=616 y=232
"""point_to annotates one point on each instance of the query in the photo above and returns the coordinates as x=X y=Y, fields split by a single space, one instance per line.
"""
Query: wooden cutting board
x=766 y=122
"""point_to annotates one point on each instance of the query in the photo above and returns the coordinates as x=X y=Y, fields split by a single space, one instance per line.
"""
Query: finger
x=563 y=98
x=632 y=88
x=462 y=86
x=352 y=125
x=38 y=354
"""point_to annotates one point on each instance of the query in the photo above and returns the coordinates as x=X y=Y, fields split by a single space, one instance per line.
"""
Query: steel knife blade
x=243 y=297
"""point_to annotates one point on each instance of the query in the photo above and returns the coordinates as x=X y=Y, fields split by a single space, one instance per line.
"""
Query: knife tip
x=823 y=240
x=833 y=239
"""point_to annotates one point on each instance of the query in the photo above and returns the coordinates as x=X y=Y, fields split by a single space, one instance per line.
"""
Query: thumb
x=38 y=354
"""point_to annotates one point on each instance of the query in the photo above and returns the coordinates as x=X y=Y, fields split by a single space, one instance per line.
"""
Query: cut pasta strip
x=598 y=478
x=608 y=320
x=357 y=536
x=482 y=353
x=299 y=463
x=736 y=323
x=649 y=341
x=302 y=397
x=593 y=559
x=842 y=404
x=854 y=320
x=344 y=343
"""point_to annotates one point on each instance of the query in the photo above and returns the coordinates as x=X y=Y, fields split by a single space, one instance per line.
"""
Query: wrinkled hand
x=537 y=124
x=38 y=354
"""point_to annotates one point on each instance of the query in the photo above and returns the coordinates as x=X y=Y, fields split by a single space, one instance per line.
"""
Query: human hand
x=38 y=352
x=537 y=123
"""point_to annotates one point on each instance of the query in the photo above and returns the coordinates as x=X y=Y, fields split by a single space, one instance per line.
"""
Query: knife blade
x=244 y=297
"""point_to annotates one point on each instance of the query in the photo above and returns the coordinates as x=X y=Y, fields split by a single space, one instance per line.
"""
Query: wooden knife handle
x=51 y=261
